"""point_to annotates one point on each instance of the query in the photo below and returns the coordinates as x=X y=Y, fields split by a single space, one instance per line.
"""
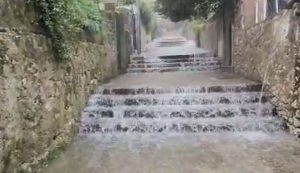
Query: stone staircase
x=196 y=62
x=230 y=108
x=183 y=108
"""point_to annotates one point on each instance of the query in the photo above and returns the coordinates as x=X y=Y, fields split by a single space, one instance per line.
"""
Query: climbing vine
x=59 y=17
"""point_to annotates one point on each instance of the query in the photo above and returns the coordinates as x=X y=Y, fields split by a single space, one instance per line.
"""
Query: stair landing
x=177 y=79
x=179 y=122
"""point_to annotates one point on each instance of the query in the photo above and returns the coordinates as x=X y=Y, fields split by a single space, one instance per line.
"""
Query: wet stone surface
x=179 y=122
x=210 y=153
x=179 y=101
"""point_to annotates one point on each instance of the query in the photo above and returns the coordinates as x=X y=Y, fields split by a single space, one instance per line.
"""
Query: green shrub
x=58 y=17
x=147 y=17
x=126 y=2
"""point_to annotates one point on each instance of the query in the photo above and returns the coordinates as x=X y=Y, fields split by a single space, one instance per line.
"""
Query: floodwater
x=251 y=152
x=171 y=46
x=120 y=131
x=176 y=79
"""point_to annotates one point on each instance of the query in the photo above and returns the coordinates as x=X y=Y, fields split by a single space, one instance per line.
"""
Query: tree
x=126 y=2
x=178 y=10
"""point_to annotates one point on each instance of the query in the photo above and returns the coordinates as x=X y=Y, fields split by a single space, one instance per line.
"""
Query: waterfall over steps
x=229 y=107
x=192 y=62
x=236 y=108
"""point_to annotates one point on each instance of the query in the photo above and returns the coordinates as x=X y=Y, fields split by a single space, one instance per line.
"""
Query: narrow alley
x=149 y=86
x=179 y=113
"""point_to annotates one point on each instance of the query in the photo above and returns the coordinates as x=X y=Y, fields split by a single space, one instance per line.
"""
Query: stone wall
x=215 y=37
x=249 y=12
x=40 y=99
x=210 y=37
x=15 y=14
x=206 y=35
x=269 y=52
x=125 y=39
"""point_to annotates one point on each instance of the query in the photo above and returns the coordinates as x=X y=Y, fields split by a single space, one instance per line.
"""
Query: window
x=274 y=6
x=282 y=4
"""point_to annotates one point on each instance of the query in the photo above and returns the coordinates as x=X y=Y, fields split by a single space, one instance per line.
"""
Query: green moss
x=54 y=154
x=23 y=171
x=3 y=50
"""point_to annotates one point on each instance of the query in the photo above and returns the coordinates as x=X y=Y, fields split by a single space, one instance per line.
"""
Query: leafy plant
x=147 y=17
x=59 y=17
x=178 y=10
x=126 y=2
x=146 y=12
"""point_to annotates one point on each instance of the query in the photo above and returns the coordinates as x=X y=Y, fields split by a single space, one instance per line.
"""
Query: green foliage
x=3 y=50
x=59 y=17
x=23 y=171
x=53 y=155
x=126 y=2
x=147 y=16
x=178 y=10
x=86 y=14
x=146 y=11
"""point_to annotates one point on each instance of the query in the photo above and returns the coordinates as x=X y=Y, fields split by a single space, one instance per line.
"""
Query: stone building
x=217 y=35
x=261 y=42
x=128 y=26
x=265 y=47
x=255 y=11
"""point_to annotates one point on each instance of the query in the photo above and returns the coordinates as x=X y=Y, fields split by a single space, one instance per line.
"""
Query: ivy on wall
x=59 y=17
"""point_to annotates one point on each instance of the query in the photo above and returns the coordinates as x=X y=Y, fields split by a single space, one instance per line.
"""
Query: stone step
x=137 y=58
x=187 y=56
x=171 y=44
x=178 y=64
x=157 y=60
x=178 y=99
x=173 y=69
x=175 y=111
x=234 y=88
x=180 y=125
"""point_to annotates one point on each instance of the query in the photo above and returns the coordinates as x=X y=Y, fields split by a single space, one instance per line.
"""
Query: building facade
x=266 y=48
x=255 y=11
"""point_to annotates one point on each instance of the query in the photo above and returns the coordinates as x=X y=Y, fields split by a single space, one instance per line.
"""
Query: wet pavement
x=169 y=46
x=176 y=79
x=224 y=152
x=120 y=130
x=205 y=153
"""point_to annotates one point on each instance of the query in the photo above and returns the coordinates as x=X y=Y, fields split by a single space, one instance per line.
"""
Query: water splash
x=265 y=74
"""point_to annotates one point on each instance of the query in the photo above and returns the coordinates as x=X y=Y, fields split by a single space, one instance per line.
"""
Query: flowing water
x=251 y=152
x=175 y=112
